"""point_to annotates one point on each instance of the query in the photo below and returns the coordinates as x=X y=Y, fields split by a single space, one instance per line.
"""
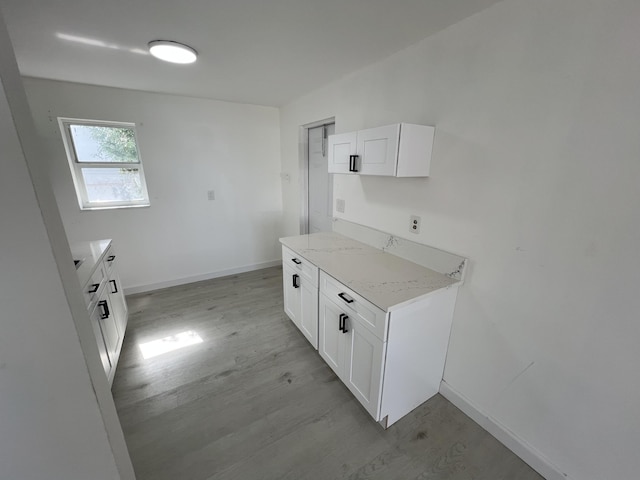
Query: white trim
x=77 y=166
x=198 y=278
x=528 y=453
x=303 y=168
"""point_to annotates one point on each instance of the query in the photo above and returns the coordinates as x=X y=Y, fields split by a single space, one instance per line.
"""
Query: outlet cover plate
x=414 y=224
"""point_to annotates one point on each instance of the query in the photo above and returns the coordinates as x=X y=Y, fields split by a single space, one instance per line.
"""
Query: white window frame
x=75 y=165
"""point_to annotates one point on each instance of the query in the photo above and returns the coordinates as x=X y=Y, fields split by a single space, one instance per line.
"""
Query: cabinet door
x=331 y=340
x=378 y=150
x=292 y=302
x=341 y=147
x=363 y=366
x=112 y=338
x=96 y=320
x=118 y=302
x=309 y=311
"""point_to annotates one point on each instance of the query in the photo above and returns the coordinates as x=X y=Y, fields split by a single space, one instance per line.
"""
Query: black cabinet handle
x=111 y=258
x=353 y=159
x=345 y=297
x=296 y=261
x=94 y=288
x=115 y=287
x=342 y=324
x=296 y=281
x=105 y=309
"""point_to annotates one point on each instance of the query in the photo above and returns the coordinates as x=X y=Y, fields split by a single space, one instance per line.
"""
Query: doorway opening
x=316 y=182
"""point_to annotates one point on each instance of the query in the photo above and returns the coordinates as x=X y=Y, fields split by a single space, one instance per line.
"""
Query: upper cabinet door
x=341 y=147
x=378 y=150
x=398 y=150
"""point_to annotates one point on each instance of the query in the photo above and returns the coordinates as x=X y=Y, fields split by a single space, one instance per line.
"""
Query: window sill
x=113 y=207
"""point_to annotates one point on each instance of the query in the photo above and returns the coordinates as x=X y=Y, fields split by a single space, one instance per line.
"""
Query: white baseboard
x=509 y=439
x=198 y=278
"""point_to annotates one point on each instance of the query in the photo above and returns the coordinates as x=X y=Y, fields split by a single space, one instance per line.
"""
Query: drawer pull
x=105 y=309
x=115 y=287
x=345 y=297
x=296 y=281
x=296 y=261
x=94 y=288
x=342 y=324
x=111 y=258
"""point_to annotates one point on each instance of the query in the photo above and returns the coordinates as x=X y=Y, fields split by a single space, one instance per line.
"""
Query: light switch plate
x=339 y=205
x=211 y=195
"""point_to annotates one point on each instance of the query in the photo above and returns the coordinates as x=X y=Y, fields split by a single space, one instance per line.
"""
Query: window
x=105 y=164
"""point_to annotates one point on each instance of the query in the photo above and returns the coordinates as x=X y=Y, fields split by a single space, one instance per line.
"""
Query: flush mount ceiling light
x=173 y=52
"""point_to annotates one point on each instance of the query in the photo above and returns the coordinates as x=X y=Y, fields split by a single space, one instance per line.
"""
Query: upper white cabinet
x=399 y=150
x=342 y=150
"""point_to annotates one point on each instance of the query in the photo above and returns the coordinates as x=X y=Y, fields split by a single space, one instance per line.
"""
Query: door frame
x=303 y=168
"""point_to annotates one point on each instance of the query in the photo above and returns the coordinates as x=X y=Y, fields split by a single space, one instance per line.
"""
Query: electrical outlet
x=211 y=195
x=414 y=224
x=340 y=205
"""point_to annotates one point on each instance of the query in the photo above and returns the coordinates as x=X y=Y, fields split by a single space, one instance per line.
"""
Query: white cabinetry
x=353 y=352
x=392 y=362
x=398 y=150
x=104 y=298
x=300 y=285
x=380 y=322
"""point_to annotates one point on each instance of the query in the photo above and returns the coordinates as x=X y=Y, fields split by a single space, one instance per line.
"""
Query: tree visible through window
x=105 y=164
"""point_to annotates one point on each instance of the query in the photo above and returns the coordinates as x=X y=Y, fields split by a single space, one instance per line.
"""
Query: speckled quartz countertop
x=90 y=253
x=384 y=279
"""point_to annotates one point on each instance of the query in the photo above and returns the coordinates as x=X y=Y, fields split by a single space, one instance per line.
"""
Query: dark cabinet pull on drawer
x=111 y=258
x=296 y=281
x=115 y=287
x=296 y=261
x=345 y=297
x=94 y=288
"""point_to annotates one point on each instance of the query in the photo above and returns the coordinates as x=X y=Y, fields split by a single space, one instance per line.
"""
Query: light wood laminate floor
x=255 y=401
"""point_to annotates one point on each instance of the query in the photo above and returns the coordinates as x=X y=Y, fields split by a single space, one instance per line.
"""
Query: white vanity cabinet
x=105 y=299
x=300 y=286
x=398 y=150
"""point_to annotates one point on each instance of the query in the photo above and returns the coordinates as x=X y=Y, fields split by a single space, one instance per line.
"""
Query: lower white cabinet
x=391 y=359
x=118 y=302
x=353 y=352
x=107 y=331
x=104 y=298
x=300 y=286
x=96 y=321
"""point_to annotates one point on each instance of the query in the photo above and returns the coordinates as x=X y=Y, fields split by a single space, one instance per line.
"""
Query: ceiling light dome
x=173 y=52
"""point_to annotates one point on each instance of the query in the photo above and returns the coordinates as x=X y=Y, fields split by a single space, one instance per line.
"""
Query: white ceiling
x=265 y=52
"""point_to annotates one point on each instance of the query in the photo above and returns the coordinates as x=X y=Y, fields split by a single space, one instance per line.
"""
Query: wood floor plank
x=255 y=401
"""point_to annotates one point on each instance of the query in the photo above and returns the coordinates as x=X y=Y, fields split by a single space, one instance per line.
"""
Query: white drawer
x=109 y=259
x=303 y=267
x=94 y=285
x=370 y=316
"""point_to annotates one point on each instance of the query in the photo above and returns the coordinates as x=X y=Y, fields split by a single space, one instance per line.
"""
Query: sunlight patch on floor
x=169 y=344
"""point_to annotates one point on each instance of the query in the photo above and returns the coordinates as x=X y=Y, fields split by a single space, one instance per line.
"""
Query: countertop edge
x=86 y=250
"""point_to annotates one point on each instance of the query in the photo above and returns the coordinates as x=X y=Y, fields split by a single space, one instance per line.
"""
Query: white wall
x=535 y=178
x=188 y=146
x=51 y=425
